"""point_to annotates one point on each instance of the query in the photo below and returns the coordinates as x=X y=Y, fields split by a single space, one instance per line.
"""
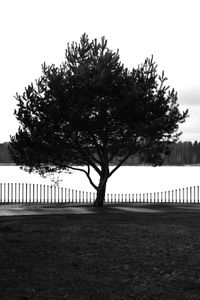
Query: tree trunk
x=101 y=190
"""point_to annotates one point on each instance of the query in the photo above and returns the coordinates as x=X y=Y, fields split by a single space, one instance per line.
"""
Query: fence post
x=33 y=194
x=87 y=197
x=132 y=198
x=4 y=193
x=72 y=198
x=36 y=193
x=50 y=193
x=27 y=193
x=111 y=198
x=90 y=197
x=187 y=195
x=125 y=200
x=15 y=194
x=39 y=200
x=44 y=193
x=8 y=192
x=79 y=197
x=118 y=200
x=55 y=198
x=22 y=200
x=19 y=192
x=11 y=192
x=154 y=196
x=83 y=197
x=94 y=197
x=47 y=193
x=51 y=187
x=58 y=193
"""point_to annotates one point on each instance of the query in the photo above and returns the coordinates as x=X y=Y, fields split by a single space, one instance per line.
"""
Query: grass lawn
x=101 y=256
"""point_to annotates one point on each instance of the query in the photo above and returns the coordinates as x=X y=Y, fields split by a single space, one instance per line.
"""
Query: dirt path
x=11 y=210
x=26 y=210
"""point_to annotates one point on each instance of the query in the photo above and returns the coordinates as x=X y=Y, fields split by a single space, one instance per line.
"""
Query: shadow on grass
x=101 y=256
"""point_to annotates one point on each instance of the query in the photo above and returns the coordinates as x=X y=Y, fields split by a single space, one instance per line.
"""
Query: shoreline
x=185 y=165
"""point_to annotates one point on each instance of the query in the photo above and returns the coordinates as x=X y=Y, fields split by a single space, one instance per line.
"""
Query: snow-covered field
x=127 y=179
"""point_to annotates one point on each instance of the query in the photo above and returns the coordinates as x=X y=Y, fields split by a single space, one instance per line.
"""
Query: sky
x=37 y=31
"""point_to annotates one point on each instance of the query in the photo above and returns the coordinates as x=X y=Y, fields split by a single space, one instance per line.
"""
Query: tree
x=92 y=109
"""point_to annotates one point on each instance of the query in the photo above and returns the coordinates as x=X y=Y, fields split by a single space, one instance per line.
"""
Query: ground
x=111 y=254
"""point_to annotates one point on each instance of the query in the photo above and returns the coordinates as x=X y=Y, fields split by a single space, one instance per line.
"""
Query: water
x=127 y=179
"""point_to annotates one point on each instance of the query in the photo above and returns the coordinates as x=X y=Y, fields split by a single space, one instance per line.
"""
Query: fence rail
x=16 y=193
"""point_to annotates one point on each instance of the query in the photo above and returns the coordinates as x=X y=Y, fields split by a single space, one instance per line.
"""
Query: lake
x=127 y=179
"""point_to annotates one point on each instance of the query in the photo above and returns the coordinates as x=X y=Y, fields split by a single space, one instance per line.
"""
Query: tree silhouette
x=92 y=109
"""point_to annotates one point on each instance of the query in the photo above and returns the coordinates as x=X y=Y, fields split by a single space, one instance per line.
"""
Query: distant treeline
x=4 y=154
x=182 y=153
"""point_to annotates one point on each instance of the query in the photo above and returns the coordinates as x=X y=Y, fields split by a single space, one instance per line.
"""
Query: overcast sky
x=34 y=31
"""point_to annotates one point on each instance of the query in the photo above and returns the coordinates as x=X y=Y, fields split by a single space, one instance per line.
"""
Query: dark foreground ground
x=101 y=256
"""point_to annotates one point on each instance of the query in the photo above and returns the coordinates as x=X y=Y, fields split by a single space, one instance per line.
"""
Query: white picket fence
x=14 y=193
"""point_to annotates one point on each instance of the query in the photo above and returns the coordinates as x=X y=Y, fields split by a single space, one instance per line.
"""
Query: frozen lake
x=127 y=179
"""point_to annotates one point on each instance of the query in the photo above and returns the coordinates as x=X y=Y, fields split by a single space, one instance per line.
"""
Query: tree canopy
x=91 y=109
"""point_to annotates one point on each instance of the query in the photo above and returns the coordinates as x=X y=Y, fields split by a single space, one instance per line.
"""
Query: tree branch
x=93 y=157
x=87 y=174
x=98 y=149
x=86 y=156
x=120 y=163
x=112 y=156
